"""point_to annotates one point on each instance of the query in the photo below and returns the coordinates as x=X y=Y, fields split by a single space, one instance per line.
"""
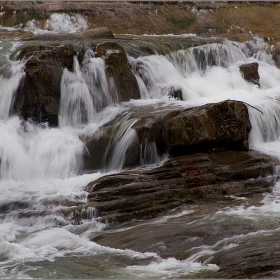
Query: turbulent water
x=42 y=168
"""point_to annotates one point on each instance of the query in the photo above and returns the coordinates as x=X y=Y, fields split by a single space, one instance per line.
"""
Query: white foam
x=171 y=268
x=66 y=23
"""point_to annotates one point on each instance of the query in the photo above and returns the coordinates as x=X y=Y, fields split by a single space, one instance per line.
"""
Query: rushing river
x=42 y=168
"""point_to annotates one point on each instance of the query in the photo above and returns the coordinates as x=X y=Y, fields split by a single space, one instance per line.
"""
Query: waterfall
x=11 y=76
x=43 y=170
x=76 y=106
x=93 y=70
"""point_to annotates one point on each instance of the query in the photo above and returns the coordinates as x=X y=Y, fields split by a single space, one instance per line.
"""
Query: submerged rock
x=250 y=73
x=122 y=83
x=39 y=96
x=145 y=193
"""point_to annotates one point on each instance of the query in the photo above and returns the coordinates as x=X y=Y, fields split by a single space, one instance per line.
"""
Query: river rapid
x=41 y=171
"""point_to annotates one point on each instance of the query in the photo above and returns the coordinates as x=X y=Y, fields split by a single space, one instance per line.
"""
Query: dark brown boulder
x=250 y=73
x=39 y=96
x=225 y=124
x=123 y=85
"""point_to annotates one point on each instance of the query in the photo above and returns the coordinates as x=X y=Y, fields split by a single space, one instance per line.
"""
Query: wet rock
x=174 y=92
x=96 y=146
x=101 y=147
x=101 y=32
x=225 y=124
x=39 y=96
x=208 y=128
x=145 y=193
x=250 y=73
x=123 y=85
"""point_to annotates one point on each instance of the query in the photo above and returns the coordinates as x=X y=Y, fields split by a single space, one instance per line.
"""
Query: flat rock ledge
x=148 y=192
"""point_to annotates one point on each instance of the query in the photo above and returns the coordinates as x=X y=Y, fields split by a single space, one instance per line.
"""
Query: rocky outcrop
x=122 y=83
x=145 y=193
x=39 y=96
x=250 y=73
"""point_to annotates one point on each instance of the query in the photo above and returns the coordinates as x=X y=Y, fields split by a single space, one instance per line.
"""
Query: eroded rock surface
x=145 y=193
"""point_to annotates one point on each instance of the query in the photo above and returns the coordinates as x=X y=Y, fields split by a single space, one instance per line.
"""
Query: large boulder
x=250 y=73
x=225 y=124
x=39 y=96
x=211 y=126
x=123 y=85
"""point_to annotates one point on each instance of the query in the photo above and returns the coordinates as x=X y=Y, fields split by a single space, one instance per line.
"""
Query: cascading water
x=42 y=173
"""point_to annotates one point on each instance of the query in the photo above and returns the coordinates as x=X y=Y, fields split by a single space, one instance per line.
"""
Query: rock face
x=39 y=96
x=250 y=73
x=145 y=193
x=123 y=85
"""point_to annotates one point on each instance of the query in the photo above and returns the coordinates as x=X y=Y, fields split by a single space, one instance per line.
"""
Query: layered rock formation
x=146 y=193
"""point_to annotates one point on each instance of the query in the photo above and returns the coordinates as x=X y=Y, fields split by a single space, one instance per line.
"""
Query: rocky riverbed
x=139 y=139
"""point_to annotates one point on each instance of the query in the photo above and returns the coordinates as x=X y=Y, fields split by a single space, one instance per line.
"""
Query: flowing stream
x=42 y=170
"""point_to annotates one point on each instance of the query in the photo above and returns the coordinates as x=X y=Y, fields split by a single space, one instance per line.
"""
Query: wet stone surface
x=146 y=193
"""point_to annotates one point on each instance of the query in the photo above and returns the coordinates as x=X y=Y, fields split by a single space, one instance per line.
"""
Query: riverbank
x=237 y=21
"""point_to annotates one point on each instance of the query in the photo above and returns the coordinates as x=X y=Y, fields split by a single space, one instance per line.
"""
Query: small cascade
x=167 y=75
x=265 y=133
x=201 y=58
x=11 y=75
x=76 y=106
x=93 y=70
x=122 y=141
x=149 y=154
x=30 y=152
x=160 y=78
